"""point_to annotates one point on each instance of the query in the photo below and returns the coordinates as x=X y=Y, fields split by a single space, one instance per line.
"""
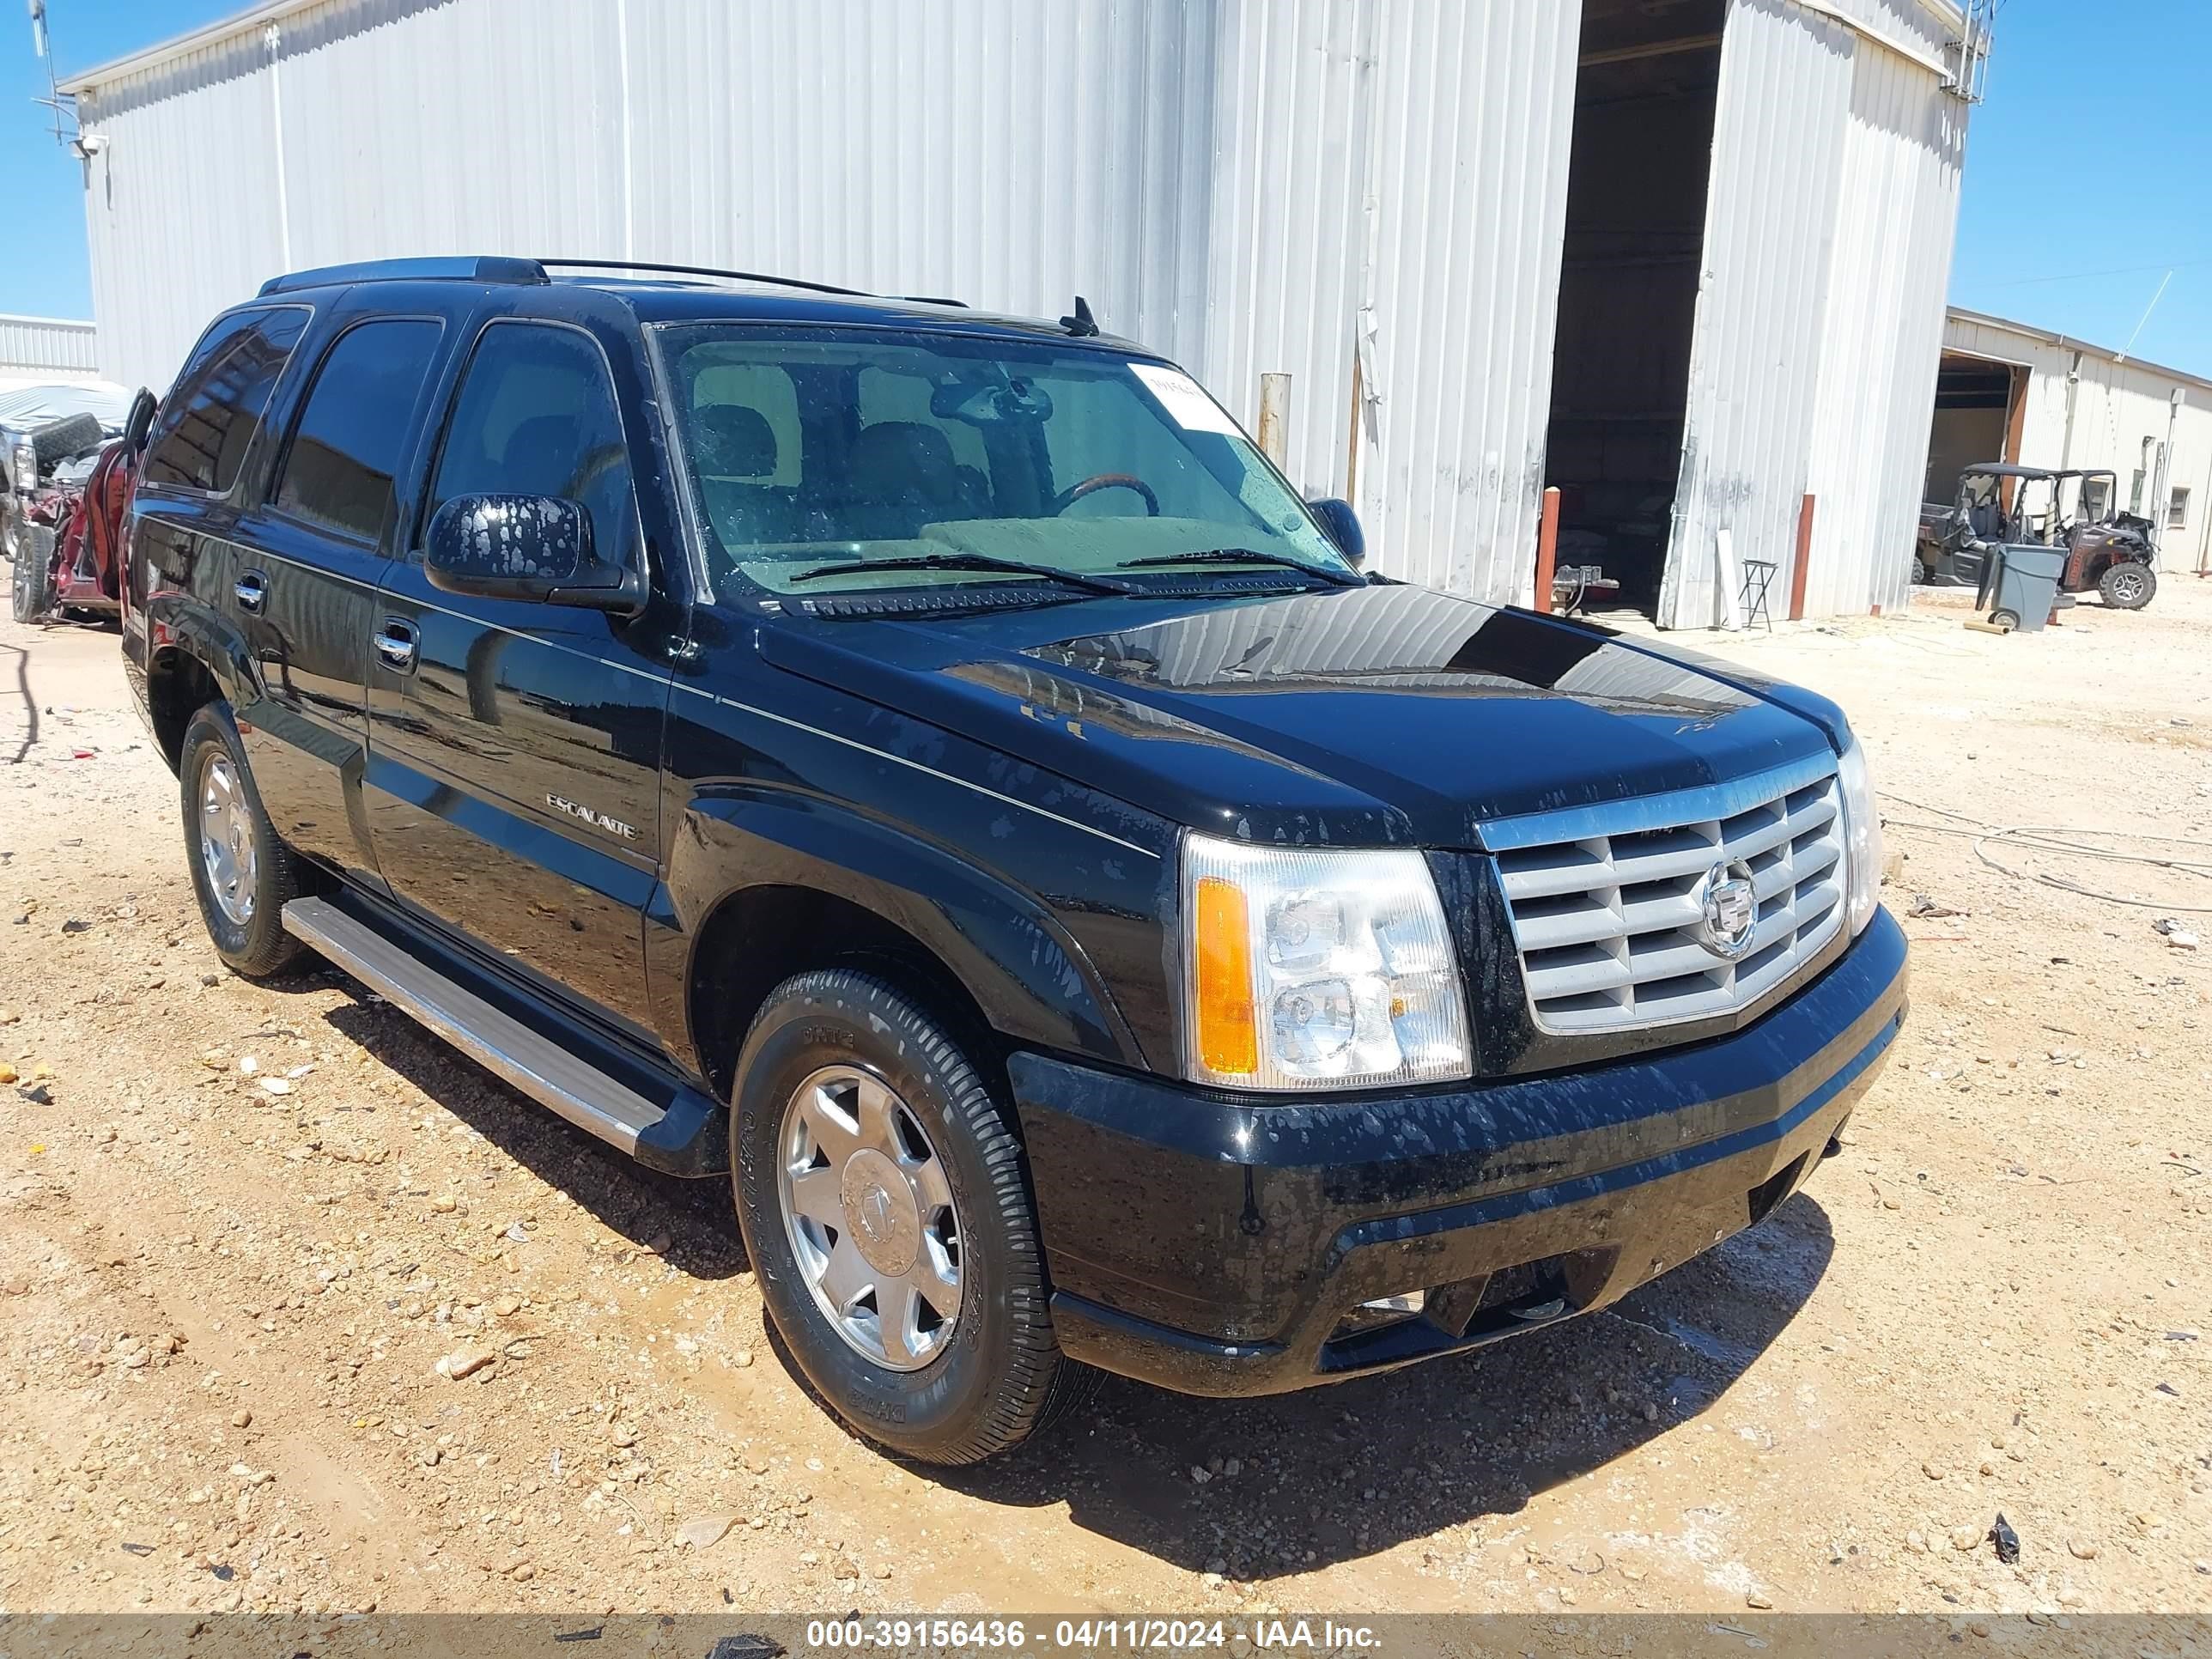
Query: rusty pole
x=1547 y=548
x=1274 y=435
x=1804 y=560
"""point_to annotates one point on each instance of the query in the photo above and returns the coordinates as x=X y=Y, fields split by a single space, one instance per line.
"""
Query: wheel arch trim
x=1030 y=978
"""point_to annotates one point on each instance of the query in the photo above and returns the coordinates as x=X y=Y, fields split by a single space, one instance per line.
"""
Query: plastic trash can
x=2027 y=585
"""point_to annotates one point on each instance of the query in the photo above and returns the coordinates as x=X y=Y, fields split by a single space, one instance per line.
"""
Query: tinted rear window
x=211 y=414
x=355 y=429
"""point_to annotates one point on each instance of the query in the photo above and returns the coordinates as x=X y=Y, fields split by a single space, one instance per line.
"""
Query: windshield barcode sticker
x=1184 y=399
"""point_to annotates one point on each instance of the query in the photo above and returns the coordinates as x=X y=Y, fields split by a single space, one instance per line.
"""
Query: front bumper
x=1213 y=1245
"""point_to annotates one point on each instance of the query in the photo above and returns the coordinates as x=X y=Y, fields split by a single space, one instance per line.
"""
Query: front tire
x=31 y=590
x=2127 y=586
x=242 y=874
x=885 y=1206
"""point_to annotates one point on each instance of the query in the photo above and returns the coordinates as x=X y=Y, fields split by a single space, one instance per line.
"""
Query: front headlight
x=1313 y=970
x=23 y=466
x=1862 y=839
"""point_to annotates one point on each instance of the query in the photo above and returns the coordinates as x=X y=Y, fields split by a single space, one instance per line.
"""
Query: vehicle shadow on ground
x=690 y=1225
x=1337 y=1473
x=1324 y=1476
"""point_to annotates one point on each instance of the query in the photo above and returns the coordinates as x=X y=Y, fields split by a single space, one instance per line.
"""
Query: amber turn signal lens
x=1228 y=1038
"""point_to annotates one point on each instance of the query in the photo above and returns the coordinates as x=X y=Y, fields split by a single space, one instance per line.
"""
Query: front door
x=515 y=747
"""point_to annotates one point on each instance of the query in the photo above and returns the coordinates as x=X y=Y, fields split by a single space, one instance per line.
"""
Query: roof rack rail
x=742 y=277
x=463 y=268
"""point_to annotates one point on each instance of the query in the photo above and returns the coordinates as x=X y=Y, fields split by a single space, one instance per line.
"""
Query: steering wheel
x=1076 y=492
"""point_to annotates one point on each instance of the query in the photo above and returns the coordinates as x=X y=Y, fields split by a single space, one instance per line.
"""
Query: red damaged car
x=69 y=524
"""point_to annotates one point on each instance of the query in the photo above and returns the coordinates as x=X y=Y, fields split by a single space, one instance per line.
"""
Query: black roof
x=691 y=294
x=2004 y=469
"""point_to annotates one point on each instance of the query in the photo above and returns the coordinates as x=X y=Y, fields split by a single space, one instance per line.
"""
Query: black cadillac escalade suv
x=933 y=770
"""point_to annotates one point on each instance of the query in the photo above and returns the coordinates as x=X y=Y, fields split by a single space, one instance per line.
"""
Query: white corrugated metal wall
x=1785 y=93
x=1898 y=203
x=1392 y=175
x=1476 y=118
x=1837 y=154
x=1292 y=143
x=1061 y=149
x=1248 y=186
x=181 y=205
x=399 y=133
x=1076 y=157
x=1236 y=183
x=47 y=345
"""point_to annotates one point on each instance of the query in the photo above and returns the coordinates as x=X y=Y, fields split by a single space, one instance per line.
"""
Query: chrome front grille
x=1607 y=903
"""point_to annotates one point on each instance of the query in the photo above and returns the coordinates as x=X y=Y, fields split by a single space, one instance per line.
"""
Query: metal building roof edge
x=1951 y=12
x=165 y=52
x=2052 y=337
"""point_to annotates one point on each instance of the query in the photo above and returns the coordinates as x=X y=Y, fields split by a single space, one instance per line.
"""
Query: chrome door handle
x=251 y=590
x=395 y=643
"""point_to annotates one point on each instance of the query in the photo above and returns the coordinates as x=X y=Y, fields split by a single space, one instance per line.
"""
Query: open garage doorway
x=1979 y=406
x=1645 y=90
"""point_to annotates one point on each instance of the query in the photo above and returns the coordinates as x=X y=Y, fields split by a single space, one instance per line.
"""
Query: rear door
x=515 y=747
x=320 y=544
x=192 y=583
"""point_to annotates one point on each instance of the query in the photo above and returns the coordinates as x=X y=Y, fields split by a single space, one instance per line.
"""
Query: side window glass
x=360 y=411
x=216 y=408
x=537 y=417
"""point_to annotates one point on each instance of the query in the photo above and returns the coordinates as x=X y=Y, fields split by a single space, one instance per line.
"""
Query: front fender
x=1030 y=977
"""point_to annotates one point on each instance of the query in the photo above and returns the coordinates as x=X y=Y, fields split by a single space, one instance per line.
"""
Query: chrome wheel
x=226 y=838
x=2126 y=586
x=870 y=1216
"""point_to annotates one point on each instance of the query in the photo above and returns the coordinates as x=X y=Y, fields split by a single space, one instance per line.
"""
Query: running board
x=681 y=1137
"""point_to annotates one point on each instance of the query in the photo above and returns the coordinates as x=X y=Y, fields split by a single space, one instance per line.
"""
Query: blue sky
x=2089 y=175
x=45 y=271
x=2089 y=171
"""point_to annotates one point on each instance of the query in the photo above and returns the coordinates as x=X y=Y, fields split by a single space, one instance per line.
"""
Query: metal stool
x=1758 y=577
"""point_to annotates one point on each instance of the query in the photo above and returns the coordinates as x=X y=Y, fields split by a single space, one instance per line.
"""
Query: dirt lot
x=241 y=1226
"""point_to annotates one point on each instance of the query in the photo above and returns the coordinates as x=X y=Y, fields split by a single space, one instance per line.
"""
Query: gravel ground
x=300 y=1311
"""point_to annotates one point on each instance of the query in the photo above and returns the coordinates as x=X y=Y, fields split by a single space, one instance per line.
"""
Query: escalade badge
x=587 y=815
x=1727 y=909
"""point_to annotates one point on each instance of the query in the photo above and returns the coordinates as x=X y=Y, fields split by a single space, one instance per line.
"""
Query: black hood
x=1364 y=716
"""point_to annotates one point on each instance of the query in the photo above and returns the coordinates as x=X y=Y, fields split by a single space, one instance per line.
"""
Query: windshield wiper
x=968 y=561
x=1243 y=555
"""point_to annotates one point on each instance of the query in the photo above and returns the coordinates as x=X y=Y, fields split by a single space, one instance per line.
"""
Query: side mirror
x=1342 y=526
x=140 y=422
x=525 y=547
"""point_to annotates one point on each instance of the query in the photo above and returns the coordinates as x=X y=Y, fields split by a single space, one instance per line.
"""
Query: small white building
x=1683 y=259
x=2010 y=392
x=40 y=350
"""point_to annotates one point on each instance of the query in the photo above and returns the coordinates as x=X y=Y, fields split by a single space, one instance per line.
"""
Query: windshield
x=811 y=449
